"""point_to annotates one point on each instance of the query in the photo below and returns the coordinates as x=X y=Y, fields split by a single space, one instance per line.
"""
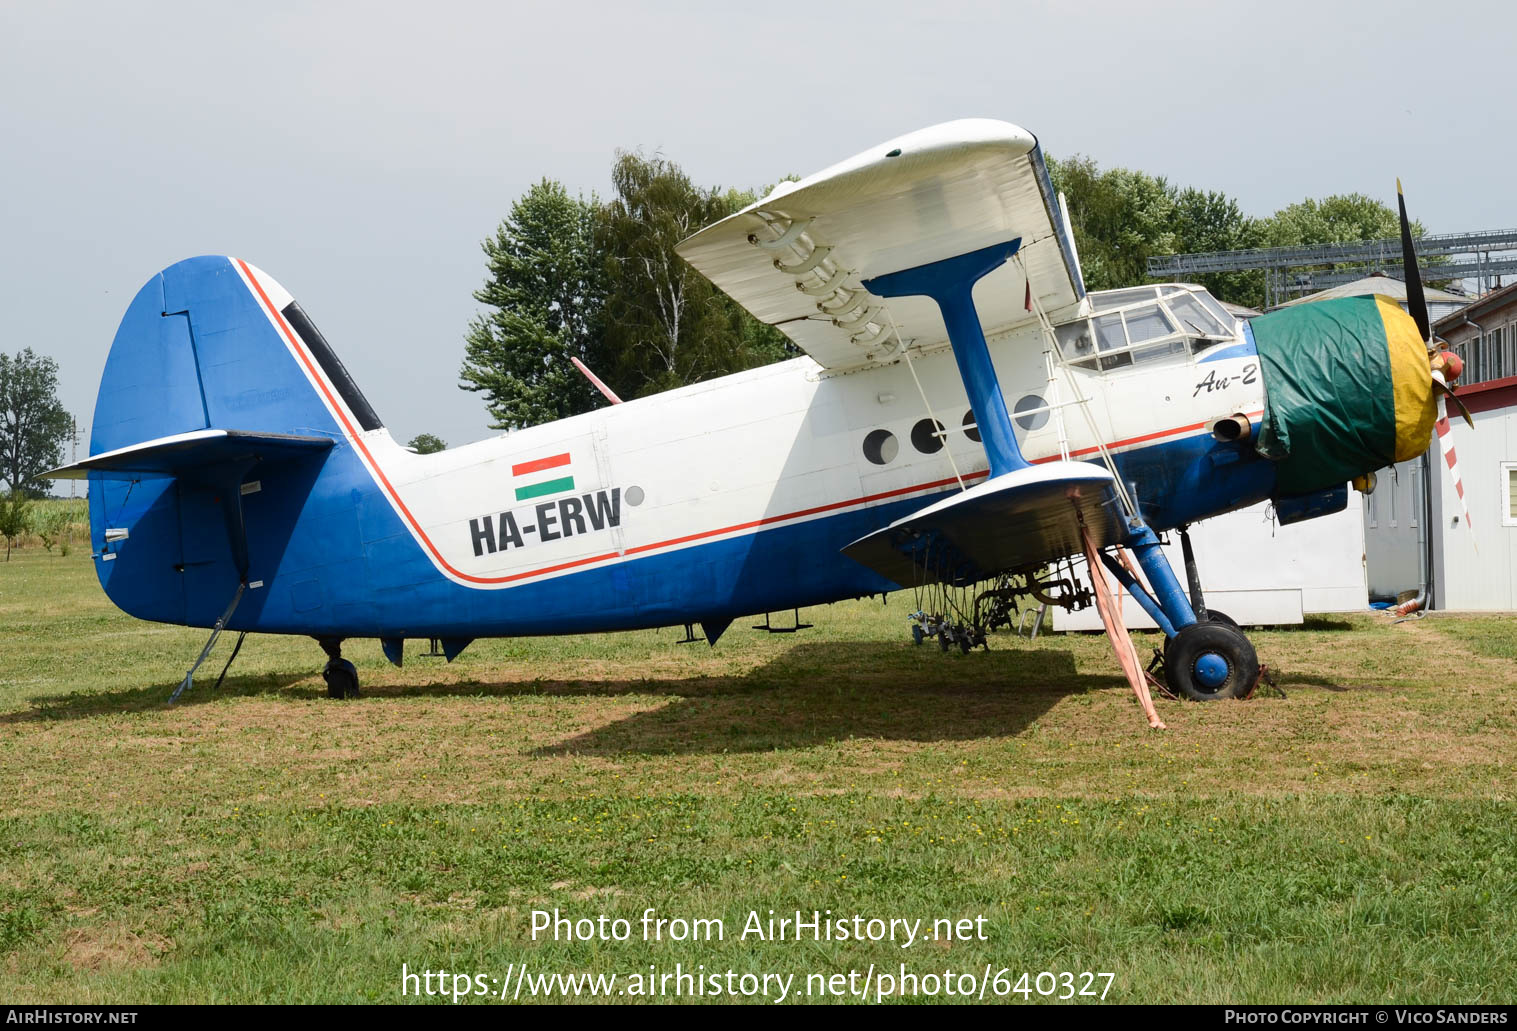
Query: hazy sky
x=359 y=152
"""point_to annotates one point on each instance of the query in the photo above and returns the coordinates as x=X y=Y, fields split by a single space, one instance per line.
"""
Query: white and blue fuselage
x=721 y=499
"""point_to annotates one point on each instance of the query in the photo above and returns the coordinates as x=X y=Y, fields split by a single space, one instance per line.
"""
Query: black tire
x=342 y=679
x=1212 y=616
x=918 y=635
x=965 y=644
x=1206 y=662
x=942 y=640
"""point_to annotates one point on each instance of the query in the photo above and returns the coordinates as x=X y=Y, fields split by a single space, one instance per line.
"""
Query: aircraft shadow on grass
x=87 y=704
x=820 y=694
x=813 y=694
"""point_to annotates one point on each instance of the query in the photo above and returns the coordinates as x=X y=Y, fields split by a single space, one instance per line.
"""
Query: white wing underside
x=797 y=258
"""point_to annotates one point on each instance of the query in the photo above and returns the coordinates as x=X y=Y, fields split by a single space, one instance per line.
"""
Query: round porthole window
x=927 y=436
x=971 y=428
x=1035 y=421
x=881 y=447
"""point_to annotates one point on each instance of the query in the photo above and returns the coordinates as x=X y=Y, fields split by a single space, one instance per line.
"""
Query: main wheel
x=1208 y=661
x=1212 y=616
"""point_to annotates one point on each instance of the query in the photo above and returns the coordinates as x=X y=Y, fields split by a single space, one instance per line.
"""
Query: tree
x=15 y=519
x=1208 y=220
x=1122 y=217
x=546 y=286
x=666 y=325
x=33 y=424
x=1119 y=216
x=427 y=444
x=1341 y=218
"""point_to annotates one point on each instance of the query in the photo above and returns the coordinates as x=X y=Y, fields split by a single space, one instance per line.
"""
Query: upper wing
x=797 y=258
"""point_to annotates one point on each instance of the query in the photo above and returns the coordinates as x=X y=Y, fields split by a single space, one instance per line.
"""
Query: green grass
x=1353 y=841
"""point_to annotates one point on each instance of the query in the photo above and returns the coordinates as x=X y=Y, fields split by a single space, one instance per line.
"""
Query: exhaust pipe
x=1235 y=427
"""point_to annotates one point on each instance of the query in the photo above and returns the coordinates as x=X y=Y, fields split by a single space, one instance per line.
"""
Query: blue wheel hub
x=1212 y=670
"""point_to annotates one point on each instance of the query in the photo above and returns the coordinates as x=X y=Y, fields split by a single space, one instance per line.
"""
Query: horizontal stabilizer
x=187 y=452
x=1013 y=523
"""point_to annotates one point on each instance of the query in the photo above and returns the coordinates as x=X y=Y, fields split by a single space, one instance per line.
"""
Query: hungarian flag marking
x=542 y=487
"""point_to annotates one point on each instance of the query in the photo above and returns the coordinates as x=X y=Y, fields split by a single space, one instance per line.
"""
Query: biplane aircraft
x=966 y=419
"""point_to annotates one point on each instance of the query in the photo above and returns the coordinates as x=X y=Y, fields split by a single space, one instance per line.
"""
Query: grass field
x=1354 y=841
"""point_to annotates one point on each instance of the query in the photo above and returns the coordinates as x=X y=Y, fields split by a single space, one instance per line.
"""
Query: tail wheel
x=342 y=679
x=1208 y=661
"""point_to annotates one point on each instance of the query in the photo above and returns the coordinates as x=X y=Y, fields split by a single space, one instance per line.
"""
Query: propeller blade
x=1445 y=435
x=1444 y=390
x=1449 y=395
x=1416 y=300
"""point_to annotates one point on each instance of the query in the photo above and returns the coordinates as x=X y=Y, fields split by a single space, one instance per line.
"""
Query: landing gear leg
x=1197 y=599
x=340 y=674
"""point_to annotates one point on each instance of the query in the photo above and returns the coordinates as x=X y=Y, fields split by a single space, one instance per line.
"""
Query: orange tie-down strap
x=1121 y=640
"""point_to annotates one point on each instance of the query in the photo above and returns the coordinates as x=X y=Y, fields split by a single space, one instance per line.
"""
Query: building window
x=1509 y=493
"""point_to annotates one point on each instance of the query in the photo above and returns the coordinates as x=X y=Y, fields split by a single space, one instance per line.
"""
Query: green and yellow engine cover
x=1347 y=390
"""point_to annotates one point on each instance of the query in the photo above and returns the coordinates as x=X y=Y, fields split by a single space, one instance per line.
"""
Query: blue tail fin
x=218 y=393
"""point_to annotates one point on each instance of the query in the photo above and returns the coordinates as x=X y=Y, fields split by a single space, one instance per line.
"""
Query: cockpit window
x=1215 y=307
x=1142 y=324
x=1195 y=318
x=1148 y=323
x=1109 y=332
x=1112 y=339
x=1075 y=340
x=1106 y=300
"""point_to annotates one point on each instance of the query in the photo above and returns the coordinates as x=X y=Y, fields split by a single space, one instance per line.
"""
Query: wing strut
x=906 y=353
